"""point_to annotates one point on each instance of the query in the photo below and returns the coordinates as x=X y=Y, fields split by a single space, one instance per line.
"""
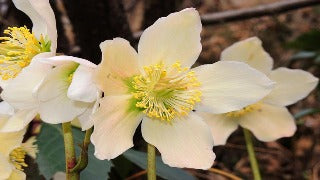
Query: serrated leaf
x=51 y=154
x=163 y=170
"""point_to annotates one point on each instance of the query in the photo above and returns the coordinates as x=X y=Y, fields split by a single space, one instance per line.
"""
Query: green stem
x=252 y=156
x=151 y=162
x=70 y=153
x=83 y=159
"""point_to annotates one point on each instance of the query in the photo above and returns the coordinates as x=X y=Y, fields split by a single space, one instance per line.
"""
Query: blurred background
x=291 y=37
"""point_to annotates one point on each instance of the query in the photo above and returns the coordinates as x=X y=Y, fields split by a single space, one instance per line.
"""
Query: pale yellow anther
x=245 y=110
x=17 y=157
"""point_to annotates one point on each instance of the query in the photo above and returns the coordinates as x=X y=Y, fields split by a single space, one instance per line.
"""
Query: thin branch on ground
x=253 y=12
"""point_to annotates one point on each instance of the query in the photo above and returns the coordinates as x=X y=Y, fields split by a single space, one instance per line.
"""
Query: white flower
x=268 y=119
x=157 y=87
x=67 y=92
x=22 y=78
x=13 y=153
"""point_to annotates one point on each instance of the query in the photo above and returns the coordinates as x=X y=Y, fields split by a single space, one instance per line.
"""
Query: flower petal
x=17 y=175
x=55 y=106
x=221 y=126
x=42 y=17
x=19 y=92
x=119 y=61
x=18 y=120
x=82 y=87
x=5 y=167
x=10 y=141
x=186 y=143
x=172 y=38
x=6 y=109
x=251 y=52
x=229 y=86
x=61 y=60
x=292 y=85
x=269 y=122
x=84 y=119
x=114 y=127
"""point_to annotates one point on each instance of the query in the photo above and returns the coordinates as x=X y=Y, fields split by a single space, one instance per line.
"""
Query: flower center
x=245 y=110
x=166 y=92
x=17 y=50
x=17 y=157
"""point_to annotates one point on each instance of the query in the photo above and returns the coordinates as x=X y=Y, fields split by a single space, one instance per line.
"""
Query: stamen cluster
x=17 y=157
x=166 y=92
x=17 y=50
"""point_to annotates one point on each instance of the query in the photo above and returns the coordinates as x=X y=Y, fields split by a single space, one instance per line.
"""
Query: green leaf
x=307 y=41
x=163 y=170
x=51 y=154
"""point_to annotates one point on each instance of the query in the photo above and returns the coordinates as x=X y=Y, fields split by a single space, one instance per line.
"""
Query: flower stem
x=70 y=153
x=252 y=156
x=151 y=162
x=83 y=159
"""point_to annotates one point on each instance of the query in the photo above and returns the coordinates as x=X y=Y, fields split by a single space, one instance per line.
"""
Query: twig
x=258 y=11
x=83 y=159
x=223 y=173
x=254 y=12
x=141 y=173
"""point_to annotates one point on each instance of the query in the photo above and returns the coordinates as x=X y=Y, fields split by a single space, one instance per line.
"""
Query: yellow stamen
x=245 y=110
x=18 y=49
x=166 y=92
x=17 y=157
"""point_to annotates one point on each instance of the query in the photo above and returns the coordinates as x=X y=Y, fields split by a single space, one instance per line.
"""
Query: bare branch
x=258 y=11
x=254 y=12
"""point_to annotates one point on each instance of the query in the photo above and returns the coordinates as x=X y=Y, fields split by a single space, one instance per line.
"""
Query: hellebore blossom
x=20 y=69
x=13 y=153
x=157 y=86
x=267 y=119
x=67 y=92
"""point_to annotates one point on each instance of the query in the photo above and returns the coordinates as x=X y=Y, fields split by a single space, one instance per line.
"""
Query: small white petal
x=186 y=143
x=114 y=127
x=5 y=167
x=42 y=17
x=251 y=52
x=119 y=61
x=292 y=85
x=55 y=106
x=61 y=60
x=171 y=39
x=229 y=86
x=6 y=109
x=19 y=120
x=82 y=87
x=269 y=123
x=85 y=119
x=10 y=141
x=19 y=92
x=221 y=126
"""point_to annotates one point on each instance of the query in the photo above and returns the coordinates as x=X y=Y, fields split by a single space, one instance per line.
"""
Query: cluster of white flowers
x=184 y=112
